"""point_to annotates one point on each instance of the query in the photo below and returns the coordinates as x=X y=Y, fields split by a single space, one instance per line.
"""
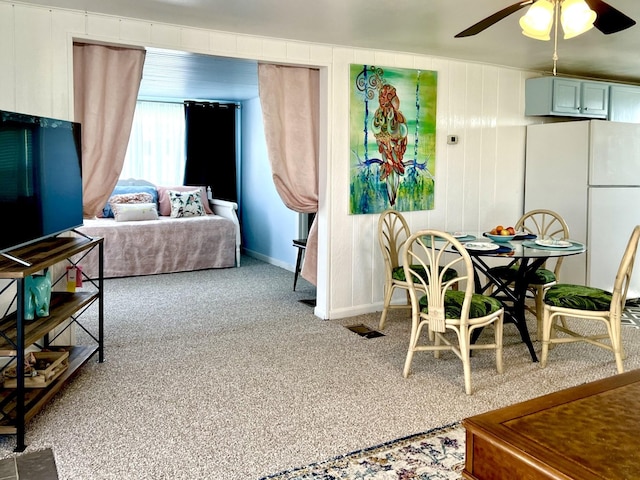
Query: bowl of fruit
x=501 y=234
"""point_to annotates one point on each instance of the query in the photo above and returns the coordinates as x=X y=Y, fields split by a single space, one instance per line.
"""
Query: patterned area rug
x=434 y=455
x=631 y=316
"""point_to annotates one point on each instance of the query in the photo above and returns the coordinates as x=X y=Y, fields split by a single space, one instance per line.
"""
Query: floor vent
x=364 y=331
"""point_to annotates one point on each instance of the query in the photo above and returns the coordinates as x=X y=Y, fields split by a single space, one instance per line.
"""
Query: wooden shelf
x=19 y=404
x=43 y=254
x=36 y=398
x=62 y=306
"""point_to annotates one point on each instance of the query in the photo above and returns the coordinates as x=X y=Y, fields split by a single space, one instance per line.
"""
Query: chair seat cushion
x=398 y=273
x=578 y=297
x=541 y=276
x=481 y=305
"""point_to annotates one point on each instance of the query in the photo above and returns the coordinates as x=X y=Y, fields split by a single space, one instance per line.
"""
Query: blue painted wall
x=268 y=226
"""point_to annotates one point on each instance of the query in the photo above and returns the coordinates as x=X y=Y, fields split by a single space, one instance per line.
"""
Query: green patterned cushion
x=398 y=273
x=481 y=305
x=578 y=297
x=541 y=276
x=508 y=274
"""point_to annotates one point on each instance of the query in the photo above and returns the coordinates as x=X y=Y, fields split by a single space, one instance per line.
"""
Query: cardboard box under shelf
x=58 y=363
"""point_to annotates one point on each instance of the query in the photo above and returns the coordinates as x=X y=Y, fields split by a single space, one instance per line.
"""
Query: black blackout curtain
x=210 y=130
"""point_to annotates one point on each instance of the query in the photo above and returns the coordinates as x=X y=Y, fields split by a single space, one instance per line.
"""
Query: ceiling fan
x=608 y=19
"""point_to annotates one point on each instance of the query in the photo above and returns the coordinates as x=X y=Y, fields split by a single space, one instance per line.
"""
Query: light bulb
x=576 y=18
x=538 y=20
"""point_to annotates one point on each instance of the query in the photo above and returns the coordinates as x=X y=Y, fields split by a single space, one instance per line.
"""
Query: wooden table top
x=584 y=432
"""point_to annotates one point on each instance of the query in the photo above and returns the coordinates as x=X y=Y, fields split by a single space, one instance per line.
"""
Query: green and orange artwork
x=392 y=132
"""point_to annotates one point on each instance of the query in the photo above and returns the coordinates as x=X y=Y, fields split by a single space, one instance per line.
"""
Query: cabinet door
x=566 y=96
x=624 y=104
x=594 y=100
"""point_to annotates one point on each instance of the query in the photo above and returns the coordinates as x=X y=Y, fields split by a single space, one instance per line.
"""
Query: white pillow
x=130 y=212
x=186 y=204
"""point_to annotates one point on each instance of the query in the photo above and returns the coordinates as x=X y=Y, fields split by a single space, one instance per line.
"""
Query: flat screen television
x=40 y=178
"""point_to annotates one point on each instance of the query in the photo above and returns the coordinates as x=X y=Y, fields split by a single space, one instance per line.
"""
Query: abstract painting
x=392 y=133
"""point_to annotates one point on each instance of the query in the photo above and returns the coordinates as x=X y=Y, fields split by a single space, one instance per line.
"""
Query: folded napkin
x=466 y=238
x=520 y=236
x=501 y=249
x=525 y=236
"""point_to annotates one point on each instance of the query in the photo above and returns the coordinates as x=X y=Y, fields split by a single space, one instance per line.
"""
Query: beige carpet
x=225 y=374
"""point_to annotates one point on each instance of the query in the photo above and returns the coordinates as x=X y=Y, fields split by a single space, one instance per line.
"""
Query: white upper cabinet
x=624 y=103
x=566 y=97
x=594 y=100
x=570 y=97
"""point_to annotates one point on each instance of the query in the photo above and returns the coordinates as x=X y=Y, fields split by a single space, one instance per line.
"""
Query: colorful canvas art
x=392 y=134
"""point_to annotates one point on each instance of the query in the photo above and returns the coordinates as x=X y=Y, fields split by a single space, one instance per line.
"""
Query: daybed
x=164 y=244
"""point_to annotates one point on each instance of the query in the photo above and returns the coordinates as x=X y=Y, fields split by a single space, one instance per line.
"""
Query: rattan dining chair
x=438 y=308
x=393 y=232
x=582 y=303
x=543 y=224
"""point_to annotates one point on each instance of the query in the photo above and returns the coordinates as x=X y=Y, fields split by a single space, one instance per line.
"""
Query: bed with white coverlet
x=165 y=244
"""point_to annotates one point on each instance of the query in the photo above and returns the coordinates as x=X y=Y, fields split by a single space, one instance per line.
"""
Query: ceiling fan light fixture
x=576 y=18
x=538 y=20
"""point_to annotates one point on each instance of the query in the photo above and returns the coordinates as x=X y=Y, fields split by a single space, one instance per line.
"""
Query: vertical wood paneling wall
x=479 y=181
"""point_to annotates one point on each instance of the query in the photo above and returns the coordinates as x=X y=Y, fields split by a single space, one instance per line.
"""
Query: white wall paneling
x=33 y=56
x=478 y=181
x=7 y=57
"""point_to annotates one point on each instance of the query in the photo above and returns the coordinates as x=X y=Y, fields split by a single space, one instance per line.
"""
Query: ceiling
x=178 y=76
x=414 y=26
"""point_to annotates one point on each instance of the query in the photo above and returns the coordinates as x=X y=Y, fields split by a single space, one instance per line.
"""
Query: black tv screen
x=40 y=178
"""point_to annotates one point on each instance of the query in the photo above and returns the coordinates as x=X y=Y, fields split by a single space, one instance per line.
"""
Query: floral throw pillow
x=186 y=204
x=126 y=198
x=130 y=194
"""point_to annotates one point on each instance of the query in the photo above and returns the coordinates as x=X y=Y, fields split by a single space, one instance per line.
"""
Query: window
x=156 y=150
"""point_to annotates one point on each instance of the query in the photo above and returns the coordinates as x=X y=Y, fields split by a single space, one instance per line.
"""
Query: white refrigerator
x=589 y=172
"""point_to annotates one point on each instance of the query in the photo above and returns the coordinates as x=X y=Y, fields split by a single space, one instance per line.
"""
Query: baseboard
x=354 y=311
x=269 y=260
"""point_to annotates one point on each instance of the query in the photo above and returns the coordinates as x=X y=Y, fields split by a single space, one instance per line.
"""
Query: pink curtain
x=106 y=83
x=289 y=97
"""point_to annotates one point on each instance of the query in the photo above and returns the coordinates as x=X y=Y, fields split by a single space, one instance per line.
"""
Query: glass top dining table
x=525 y=251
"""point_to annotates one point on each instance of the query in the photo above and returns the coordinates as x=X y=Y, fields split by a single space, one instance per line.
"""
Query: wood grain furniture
x=586 y=432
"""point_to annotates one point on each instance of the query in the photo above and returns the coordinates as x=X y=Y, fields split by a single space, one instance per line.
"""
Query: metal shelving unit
x=18 y=405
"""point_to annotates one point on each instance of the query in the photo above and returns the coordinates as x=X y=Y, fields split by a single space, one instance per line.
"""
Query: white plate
x=547 y=242
x=459 y=234
x=481 y=246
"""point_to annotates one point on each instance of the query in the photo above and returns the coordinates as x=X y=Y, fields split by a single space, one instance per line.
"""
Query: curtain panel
x=290 y=101
x=210 y=136
x=106 y=84
x=156 y=144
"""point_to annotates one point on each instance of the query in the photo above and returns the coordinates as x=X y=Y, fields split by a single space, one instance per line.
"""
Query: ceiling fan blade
x=496 y=17
x=609 y=20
